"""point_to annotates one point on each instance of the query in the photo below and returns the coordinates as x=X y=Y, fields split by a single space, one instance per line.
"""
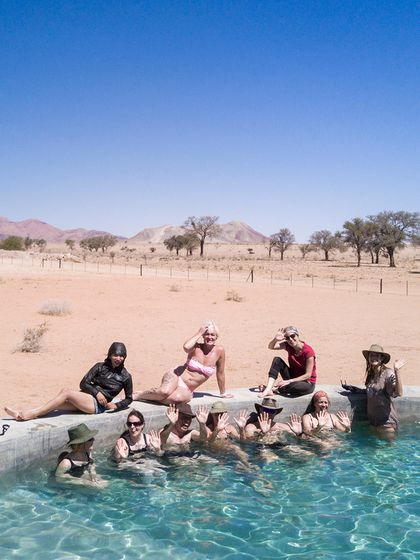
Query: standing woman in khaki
x=204 y=360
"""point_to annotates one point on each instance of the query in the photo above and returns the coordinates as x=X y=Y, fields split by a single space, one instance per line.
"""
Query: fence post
x=291 y=279
x=333 y=282
x=357 y=284
x=97 y=266
x=252 y=275
x=188 y=273
x=312 y=281
x=271 y=276
x=406 y=287
x=380 y=286
x=207 y=273
x=170 y=272
x=229 y=272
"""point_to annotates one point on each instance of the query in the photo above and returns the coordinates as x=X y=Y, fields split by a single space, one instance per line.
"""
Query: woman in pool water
x=77 y=467
x=204 y=360
x=382 y=385
x=299 y=376
x=99 y=386
x=319 y=420
x=134 y=442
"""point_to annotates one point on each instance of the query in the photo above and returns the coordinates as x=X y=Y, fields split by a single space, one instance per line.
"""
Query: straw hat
x=378 y=349
x=80 y=434
x=268 y=405
x=218 y=407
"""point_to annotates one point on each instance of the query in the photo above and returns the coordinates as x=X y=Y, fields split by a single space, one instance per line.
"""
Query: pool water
x=360 y=499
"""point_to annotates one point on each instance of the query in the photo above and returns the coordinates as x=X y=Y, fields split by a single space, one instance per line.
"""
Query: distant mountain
x=232 y=232
x=35 y=229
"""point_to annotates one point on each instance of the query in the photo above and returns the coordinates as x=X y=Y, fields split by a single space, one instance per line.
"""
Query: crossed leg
x=172 y=390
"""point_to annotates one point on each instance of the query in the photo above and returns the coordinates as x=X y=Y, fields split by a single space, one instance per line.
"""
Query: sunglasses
x=290 y=337
x=267 y=410
x=135 y=424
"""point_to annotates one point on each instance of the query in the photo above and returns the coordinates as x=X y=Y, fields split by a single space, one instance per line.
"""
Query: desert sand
x=154 y=315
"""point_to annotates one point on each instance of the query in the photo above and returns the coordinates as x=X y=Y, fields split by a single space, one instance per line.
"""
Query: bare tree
x=326 y=241
x=203 y=228
x=282 y=240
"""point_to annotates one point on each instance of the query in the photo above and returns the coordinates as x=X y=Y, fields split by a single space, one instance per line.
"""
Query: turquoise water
x=360 y=500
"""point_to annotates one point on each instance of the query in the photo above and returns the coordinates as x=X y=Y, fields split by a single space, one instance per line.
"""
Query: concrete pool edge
x=35 y=441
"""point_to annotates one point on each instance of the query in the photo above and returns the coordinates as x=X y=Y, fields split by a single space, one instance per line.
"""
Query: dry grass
x=174 y=288
x=233 y=296
x=55 y=308
x=32 y=339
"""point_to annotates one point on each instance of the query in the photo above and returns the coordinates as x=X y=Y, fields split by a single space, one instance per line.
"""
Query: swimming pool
x=360 y=499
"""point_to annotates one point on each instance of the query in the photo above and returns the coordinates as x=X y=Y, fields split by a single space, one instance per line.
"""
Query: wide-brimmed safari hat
x=185 y=409
x=268 y=405
x=218 y=407
x=377 y=348
x=80 y=434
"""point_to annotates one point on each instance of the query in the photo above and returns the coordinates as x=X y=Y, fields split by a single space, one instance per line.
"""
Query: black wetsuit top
x=76 y=470
x=132 y=452
x=108 y=381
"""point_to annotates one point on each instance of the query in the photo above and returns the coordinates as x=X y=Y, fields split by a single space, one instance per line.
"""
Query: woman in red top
x=298 y=377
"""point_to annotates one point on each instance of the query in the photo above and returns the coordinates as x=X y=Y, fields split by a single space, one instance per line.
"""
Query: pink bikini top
x=195 y=365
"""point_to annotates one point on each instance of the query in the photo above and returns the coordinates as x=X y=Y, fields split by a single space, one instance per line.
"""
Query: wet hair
x=137 y=413
x=316 y=396
x=117 y=349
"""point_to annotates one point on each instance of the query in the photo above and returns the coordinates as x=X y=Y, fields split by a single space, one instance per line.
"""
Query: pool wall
x=35 y=441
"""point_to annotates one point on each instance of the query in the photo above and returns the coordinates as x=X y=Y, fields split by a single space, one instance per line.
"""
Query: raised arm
x=278 y=342
x=172 y=414
x=191 y=342
x=398 y=364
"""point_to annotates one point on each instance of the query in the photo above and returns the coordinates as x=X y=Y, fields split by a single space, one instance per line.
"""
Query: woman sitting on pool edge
x=98 y=387
x=205 y=359
x=299 y=376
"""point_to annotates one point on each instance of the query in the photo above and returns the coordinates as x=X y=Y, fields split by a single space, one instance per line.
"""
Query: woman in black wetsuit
x=134 y=442
x=98 y=387
x=76 y=466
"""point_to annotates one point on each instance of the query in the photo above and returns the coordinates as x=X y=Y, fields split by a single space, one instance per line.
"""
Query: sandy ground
x=154 y=316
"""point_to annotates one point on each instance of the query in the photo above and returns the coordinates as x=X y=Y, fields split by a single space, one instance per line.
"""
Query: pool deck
x=36 y=441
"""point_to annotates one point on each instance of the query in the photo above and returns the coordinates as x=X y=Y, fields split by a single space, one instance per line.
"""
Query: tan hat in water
x=377 y=348
x=218 y=407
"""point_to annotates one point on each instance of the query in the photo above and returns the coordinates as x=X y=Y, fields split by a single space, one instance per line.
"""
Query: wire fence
x=407 y=287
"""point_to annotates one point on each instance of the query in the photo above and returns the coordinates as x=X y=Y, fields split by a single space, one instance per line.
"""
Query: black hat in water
x=117 y=349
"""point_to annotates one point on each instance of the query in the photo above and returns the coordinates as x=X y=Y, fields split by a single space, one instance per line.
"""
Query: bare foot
x=14 y=414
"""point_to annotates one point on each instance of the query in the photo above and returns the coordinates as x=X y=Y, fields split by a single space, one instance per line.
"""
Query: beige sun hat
x=185 y=409
x=378 y=349
x=218 y=407
x=268 y=404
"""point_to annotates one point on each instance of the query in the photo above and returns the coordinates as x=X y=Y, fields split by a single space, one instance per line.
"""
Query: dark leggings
x=295 y=388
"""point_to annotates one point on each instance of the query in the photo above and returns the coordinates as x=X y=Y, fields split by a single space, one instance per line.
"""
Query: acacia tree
x=203 y=228
x=98 y=242
x=12 y=243
x=306 y=248
x=282 y=240
x=174 y=242
x=394 y=229
x=356 y=234
x=326 y=241
x=70 y=244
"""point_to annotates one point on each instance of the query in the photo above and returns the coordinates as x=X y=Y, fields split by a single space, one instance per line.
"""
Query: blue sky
x=121 y=115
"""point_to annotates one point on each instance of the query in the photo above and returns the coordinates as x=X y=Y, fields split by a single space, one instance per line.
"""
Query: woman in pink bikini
x=205 y=359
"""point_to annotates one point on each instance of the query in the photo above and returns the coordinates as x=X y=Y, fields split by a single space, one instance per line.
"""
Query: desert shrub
x=55 y=307
x=32 y=339
x=174 y=288
x=233 y=296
